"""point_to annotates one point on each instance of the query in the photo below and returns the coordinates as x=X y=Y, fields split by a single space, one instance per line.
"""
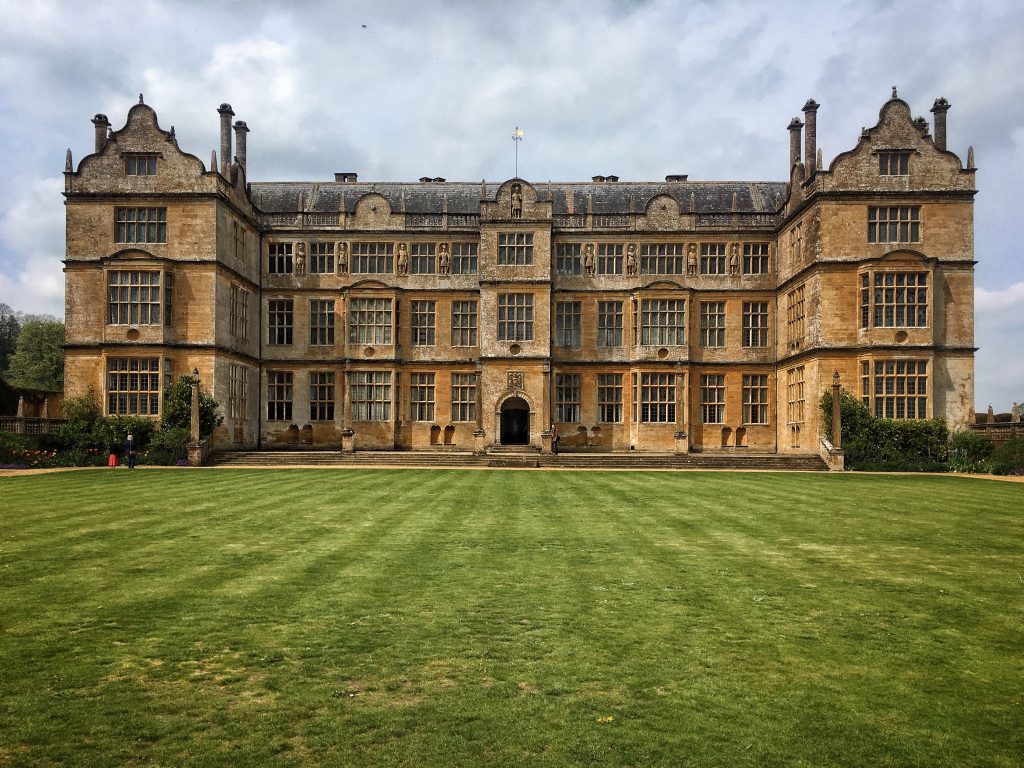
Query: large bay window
x=895 y=389
x=894 y=299
x=133 y=386
x=134 y=297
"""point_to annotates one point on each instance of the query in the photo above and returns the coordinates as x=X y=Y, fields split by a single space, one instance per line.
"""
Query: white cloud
x=992 y=304
x=32 y=246
x=394 y=90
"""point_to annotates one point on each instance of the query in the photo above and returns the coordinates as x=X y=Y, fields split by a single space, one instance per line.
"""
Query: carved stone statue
x=402 y=259
x=990 y=417
x=300 y=258
x=517 y=201
x=342 y=249
x=691 y=259
x=734 y=259
x=589 y=263
x=631 y=259
x=443 y=259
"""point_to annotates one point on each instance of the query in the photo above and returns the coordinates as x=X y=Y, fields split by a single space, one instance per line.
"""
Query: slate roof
x=464 y=197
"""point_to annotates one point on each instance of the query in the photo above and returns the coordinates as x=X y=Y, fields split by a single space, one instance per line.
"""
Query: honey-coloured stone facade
x=649 y=316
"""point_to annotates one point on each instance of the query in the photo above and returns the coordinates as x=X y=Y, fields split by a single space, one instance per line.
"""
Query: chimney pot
x=597 y=178
x=226 y=113
x=794 y=141
x=939 y=109
x=811 y=136
x=102 y=125
x=676 y=177
x=425 y=179
x=611 y=178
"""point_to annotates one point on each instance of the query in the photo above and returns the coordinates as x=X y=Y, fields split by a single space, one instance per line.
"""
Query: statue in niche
x=517 y=201
x=734 y=259
x=443 y=259
x=631 y=259
x=589 y=263
x=402 y=259
x=691 y=259
x=300 y=258
x=342 y=249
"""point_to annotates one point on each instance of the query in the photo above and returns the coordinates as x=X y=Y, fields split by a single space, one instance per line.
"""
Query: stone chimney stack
x=102 y=124
x=794 y=141
x=811 y=136
x=240 y=130
x=226 y=113
x=939 y=109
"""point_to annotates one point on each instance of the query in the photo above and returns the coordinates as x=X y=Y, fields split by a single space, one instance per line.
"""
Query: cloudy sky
x=399 y=90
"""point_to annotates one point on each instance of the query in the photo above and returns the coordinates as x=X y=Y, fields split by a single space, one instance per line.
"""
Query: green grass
x=420 y=618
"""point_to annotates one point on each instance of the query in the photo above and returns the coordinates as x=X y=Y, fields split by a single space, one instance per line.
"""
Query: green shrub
x=1008 y=458
x=970 y=451
x=83 y=426
x=117 y=428
x=870 y=443
x=168 y=446
x=12 y=449
x=178 y=408
x=87 y=433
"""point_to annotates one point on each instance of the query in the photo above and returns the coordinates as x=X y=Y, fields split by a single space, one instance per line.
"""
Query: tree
x=38 y=360
x=10 y=327
x=178 y=408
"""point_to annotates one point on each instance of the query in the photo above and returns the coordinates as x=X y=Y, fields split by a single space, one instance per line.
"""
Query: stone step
x=518 y=459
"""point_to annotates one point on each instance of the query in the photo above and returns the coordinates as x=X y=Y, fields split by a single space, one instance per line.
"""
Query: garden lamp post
x=195 y=405
x=837 y=427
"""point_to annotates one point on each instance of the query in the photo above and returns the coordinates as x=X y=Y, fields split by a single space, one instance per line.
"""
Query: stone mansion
x=677 y=315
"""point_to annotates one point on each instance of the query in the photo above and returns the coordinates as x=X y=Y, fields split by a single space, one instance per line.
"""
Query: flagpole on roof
x=517 y=136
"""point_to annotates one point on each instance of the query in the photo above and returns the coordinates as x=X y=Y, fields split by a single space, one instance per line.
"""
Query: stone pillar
x=682 y=442
x=195 y=407
x=545 y=441
x=479 y=403
x=226 y=113
x=347 y=433
x=546 y=411
x=195 y=448
x=396 y=404
x=811 y=136
x=794 y=141
x=102 y=124
x=837 y=419
x=939 y=109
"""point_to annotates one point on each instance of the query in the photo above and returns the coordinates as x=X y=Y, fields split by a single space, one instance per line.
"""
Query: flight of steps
x=517 y=457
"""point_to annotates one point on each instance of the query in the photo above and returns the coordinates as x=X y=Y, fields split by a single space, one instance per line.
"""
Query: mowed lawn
x=504 y=618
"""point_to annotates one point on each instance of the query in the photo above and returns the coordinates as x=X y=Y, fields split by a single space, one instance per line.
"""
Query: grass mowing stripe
x=423 y=617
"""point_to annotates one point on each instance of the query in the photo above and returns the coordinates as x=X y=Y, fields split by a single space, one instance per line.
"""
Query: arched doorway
x=515 y=422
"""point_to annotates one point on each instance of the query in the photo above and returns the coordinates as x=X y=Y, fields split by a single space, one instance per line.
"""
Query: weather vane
x=517 y=136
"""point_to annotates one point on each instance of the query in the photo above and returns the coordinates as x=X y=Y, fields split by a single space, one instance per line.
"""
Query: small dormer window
x=140 y=165
x=893 y=163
